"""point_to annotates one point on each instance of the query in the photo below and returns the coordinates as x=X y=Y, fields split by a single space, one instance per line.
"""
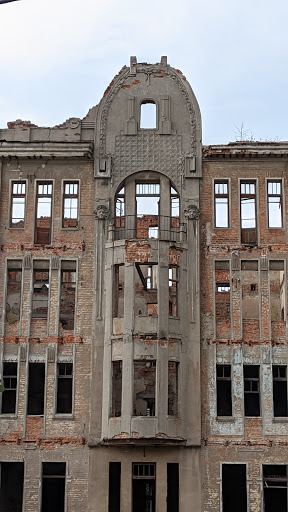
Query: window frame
x=282 y=201
x=63 y=269
x=69 y=415
x=224 y=378
x=252 y=181
x=63 y=195
x=227 y=182
x=43 y=182
x=11 y=195
x=10 y=414
x=252 y=379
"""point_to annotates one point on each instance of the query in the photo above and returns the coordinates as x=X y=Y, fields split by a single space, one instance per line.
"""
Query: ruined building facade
x=143 y=310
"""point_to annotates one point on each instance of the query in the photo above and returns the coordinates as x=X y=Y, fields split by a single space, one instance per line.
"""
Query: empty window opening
x=175 y=208
x=224 y=390
x=40 y=293
x=275 y=488
x=251 y=391
x=13 y=295
x=248 y=212
x=277 y=288
x=11 y=490
x=222 y=300
x=116 y=388
x=234 y=488
x=71 y=204
x=280 y=391
x=143 y=487
x=173 y=388
x=173 y=290
x=9 y=396
x=43 y=213
x=172 y=487
x=120 y=208
x=144 y=388
x=148 y=115
x=118 y=292
x=53 y=486
x=67 y=295
x=250 y=300
x=114 y=486
x=221 y=204
x=274 y=197
x=146 y=293
x=36 y=389
x=147 y=207
x=64 y=388
x=18 y=204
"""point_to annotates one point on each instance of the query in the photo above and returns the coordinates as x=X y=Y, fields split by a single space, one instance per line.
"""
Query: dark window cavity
x=143 y=487
x=43 y=212
x=118 y=292
x=11 y=489
x=40 y=291
x=251 y=391
x=224 y=390
x=146 y=290
x=248 y=212
x=36 y=389
x=172 y=487
x=67 y=295
x=148 y=115
x=18 y=206
x=144 y=388
x=116 y=388
x=71 y=204
x=173 y=290
x=280 y=391
x=13 y=295
x=275 y=488
x=234 y=488
x=250 y=299
x=274 y=197
x=175 y=208
x=173 y=388
x=53 y=486
x=222 y=300
x=64 y=388
x=221 y=204
x=9 y=396
x=114 y=486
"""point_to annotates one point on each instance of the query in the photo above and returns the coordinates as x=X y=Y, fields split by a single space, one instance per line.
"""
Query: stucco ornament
x=101 y=212
x=192 y=212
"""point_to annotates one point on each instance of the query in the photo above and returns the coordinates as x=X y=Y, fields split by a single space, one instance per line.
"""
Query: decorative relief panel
x=147 y=151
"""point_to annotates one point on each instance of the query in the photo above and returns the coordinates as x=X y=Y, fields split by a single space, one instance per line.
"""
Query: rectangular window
x=248 y=212
x=71 y=204
x=147 y=208
x=118 y=292
x=9 y=396
x=280 y=391
x=18 y=204
x=13 y=295
x=224 y=390
x=277 y=286
x=275 y=488
x=114 y=486
x=274 y=200
x=146 y=293
x=116 y=388
x=11 y=488
x=53 y=486
x=172 y=487
x=143 y=487
x=175 y=208
x=44 y=190
x=250 y=300
x=173 y=290
x=234 y=488
x=173 y=388
x=221 y=204
x=67 y=295
x=222 y=300
x=144 y=388
x=36 y=389
x=251 y=391
x=64 y=388
x=40 y=290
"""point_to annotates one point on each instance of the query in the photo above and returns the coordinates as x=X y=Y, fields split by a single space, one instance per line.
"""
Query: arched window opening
x=148 y=115
x=147 y=208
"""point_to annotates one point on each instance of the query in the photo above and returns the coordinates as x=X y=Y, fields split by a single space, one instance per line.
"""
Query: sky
x=58 y=56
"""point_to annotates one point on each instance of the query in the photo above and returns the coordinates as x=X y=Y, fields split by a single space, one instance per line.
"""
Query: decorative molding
x=55 y=263
x=27 y=260
x=51 y=354
x=101 y=212
x=192 y=212
x=235 y=261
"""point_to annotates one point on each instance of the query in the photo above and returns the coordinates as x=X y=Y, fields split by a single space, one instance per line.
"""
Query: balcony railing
x=149 y=227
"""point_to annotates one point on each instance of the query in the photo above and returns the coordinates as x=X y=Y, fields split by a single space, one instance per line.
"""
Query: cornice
x=34 y=150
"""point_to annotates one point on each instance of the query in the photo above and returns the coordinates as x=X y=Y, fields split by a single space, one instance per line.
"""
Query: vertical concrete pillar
x=128 y=350
x=236 y=327
x=264 y=313
x=161 y=485
x=126 y=485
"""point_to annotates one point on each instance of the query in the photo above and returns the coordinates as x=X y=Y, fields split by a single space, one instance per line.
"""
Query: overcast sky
x=58 y=56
